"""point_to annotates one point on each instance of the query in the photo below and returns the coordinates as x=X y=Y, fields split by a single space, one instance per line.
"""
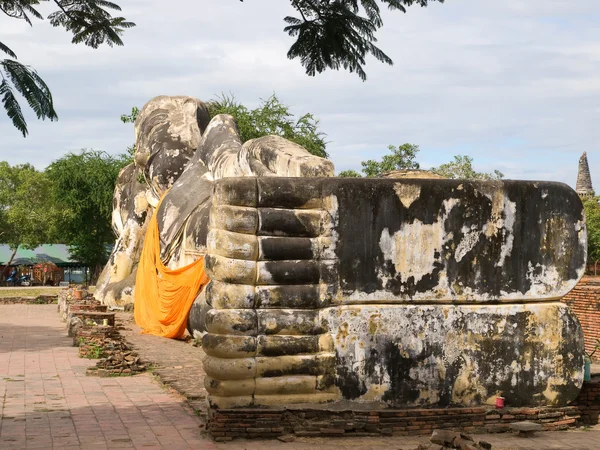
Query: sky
x=514 y=85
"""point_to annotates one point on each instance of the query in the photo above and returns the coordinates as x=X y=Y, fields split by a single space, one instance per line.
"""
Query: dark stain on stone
x=293 y=272
x=373 y=205
x=277 y=249
x=350 y=382
x=398 y=368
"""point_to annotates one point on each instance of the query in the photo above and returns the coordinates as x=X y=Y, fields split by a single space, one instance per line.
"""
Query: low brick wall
x=225 y=425
x=39 y=300
x=588 y=402
x=228 y=424
x=584 y=300
x=76 y=307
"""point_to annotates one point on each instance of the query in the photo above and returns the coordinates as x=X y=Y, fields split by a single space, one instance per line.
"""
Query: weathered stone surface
x=404 y=293
x=196 y=324
x=168 y=131
x=179 y=149
x=456 y=241
x=465 y=355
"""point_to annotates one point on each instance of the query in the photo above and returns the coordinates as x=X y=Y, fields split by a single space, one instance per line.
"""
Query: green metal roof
x=56 y=253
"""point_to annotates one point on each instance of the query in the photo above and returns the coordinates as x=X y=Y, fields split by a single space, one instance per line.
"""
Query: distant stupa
x=584 y=180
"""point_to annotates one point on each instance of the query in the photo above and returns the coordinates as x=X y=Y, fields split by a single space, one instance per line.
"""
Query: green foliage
x=462 y=168
x=272 y=117
x=591 y=206
x=27 y=214
x=88 y=21
x=349 y=174
x=131 y=118
x=334 y=34
x=83 y=186
x=402 y=157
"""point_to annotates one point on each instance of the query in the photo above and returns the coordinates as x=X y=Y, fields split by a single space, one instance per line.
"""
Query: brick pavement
x=177 y=363
x=48 y=402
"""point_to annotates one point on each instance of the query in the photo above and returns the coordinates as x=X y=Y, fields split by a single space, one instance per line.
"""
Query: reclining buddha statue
x=389 y=292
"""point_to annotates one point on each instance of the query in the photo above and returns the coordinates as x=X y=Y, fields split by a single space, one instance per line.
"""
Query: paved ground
x=48 y=402
x=175 y=362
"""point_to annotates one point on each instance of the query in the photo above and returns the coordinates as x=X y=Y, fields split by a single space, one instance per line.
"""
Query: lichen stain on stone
x=465 y=355
x=373 y=323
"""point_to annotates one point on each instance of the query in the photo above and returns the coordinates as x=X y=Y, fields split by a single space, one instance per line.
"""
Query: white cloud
x=512 y=84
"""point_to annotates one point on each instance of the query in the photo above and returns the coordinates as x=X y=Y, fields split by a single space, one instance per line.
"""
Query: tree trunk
x=95 y=274
x=8 y=263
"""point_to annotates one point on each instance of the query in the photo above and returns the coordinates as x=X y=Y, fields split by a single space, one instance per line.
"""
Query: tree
x=349 y=174
x=462 y=168
x=272 y=117
x=89 y=22
x=339 y=33
x=591 y=206
x=403 y=157
x=83 y=185
x=27 y=214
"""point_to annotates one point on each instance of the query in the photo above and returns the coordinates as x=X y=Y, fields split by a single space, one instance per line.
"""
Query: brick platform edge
x=228 y=424
x=584 y=300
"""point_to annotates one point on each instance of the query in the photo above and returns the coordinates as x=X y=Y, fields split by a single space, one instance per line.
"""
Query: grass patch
x=9 y=292
x=34 y=291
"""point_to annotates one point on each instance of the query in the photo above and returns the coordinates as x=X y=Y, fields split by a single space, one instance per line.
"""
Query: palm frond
x=12 y=107
x=90 y=23
x=31 y=86
x=18 y=9
x=339 y=33
x=8 y=51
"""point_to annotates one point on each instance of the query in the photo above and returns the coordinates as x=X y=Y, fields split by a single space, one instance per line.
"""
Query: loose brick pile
x=85 y=322
x=449 y=440
x=77 y=313
x=117 y=357
x=66 y=298
x=225 y=425
x=92 y=337
x=584 y=300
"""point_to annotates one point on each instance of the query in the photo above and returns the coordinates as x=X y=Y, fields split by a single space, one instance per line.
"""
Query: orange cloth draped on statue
x=164 y=297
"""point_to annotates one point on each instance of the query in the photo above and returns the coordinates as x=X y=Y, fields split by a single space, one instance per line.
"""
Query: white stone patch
x=329 y=224
x=412 y=249
x=467 y=243
x=171 y=214
x=140 y=203
x=264 y=274
x=508 y=223
x=543 y=283
x=407 y=193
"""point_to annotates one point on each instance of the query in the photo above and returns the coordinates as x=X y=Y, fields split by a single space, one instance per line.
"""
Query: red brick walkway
x=47 y=401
